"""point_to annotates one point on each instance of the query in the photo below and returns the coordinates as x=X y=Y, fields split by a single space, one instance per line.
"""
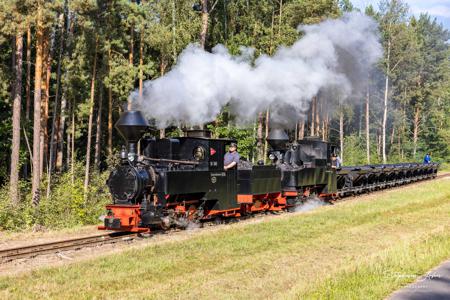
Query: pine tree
x=37 y=106
x=15 y=149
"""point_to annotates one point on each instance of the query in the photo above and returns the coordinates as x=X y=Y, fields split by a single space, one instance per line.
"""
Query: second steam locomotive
x=180 y=181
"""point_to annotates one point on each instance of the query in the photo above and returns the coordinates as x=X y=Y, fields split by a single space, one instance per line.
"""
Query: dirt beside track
x=10 y=240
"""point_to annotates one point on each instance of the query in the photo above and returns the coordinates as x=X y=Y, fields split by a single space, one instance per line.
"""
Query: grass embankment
x=358 y=249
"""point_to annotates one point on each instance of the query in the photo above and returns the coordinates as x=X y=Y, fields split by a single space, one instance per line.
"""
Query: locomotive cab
x=305 y=164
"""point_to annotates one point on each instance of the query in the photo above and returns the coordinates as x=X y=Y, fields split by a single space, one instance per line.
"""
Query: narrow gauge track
x=30 y=251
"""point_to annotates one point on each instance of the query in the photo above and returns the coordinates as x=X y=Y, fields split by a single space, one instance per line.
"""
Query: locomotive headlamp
x=271 y=156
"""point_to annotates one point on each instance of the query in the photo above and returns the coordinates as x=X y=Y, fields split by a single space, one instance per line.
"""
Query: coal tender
x=181 y=181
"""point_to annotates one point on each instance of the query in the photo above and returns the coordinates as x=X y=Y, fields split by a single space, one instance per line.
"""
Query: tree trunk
x=367 y=126
x=205 y=19
x=416 y=130
x=15 y=149
x=110 y=110
x=280 y=17
x=131 y=52
x=341 y=134
x=71 y=152
x=402 y=133
x=313 y=113
x=360 y=121
x=53 y=145
x=318 y=112
x=141 y=66
x=28 y=80
x=301 y=131
x=267 y=134
x=62 y=120
x=174 y=32
x=27 y=93
x=37 y=110
x=48 y=45
x=98 y=132
x=325 y=127
x=379 y=144
x=383 y=125
x=13 y=66
x=272 y=32
x=110 y=121
x=259 y=136
x=44 y=102
x=391 y=141
x=68 y=148
x=162 y=65
x=60 y=133
x=91 y=117
x=385 y=106
x=30 y=152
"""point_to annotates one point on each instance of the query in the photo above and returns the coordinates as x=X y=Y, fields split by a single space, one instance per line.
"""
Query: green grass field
x=359 y=249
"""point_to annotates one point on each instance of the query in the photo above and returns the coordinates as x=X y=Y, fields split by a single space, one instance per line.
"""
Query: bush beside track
x=65 y=208
x=356 y=249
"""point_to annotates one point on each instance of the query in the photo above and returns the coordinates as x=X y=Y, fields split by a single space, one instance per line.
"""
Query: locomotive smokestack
x=132 y=126
x=277 y=138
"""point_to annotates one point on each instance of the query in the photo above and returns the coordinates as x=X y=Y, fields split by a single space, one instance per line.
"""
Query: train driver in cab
x=335 y=161
x=231 y=158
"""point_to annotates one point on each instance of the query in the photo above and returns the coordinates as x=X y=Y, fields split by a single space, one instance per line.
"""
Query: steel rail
x=30 y=251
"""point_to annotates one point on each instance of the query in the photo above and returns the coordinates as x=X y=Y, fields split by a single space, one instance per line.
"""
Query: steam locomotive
x=175 y=182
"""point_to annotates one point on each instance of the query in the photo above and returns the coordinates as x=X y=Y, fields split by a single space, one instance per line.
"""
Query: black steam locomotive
x=181 y=181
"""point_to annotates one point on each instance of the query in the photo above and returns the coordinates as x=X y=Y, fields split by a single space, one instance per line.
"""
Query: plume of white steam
x=329 y=57
x=310 y=204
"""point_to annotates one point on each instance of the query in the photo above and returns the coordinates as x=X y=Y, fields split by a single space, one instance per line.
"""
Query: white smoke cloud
x=310 y=204
x=331 y=56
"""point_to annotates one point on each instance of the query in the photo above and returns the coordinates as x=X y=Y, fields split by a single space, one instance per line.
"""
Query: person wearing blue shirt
x=427 y=159
x=231 y=158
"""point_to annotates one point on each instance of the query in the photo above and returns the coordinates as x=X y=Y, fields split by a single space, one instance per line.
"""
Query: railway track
x=30 y=251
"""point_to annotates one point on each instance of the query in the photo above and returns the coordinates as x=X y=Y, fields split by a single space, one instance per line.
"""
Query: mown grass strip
x=289 y=257
x=388 y=272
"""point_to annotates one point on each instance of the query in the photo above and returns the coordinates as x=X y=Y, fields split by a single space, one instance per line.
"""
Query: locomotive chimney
x=277 y=138
x=132 y=126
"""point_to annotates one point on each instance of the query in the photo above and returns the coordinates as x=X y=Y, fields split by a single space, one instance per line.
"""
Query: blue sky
x=440 y=9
